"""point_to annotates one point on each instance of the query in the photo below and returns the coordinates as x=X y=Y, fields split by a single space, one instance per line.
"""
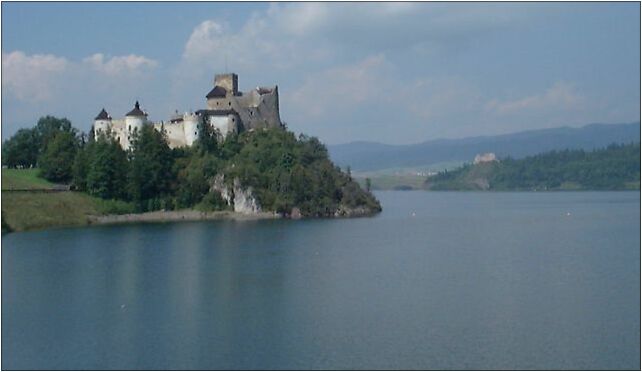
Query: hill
x=254 y=173
x=369 y=156
x=616 y=167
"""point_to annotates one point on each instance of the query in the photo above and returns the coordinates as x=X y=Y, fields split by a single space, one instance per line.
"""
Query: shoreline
x=176 y=216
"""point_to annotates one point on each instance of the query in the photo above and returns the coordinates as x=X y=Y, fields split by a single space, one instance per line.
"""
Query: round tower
x=102 y=123
x=135 y=119
x=190 y=126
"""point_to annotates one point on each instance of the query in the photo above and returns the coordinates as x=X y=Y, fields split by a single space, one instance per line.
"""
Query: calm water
x=471 y=281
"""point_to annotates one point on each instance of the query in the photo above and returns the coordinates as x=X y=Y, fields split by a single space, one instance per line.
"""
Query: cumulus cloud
x=205 y=38
x=258 y=43
x=561 y=95
x=119 y=64
x=30 y=77
x=35 y=78
x=293 y=35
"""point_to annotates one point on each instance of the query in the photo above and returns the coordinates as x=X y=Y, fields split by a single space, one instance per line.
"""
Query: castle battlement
x=228 y=111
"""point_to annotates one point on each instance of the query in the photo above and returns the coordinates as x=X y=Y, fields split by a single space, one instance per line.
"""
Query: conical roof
x=102 y=115
x=136 y=111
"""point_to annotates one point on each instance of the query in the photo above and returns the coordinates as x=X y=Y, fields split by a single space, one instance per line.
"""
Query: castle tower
x=190 y=126
x=228 y=81
x=102 y=123
x=135 y=119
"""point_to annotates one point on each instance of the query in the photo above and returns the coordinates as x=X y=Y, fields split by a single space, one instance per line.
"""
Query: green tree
x=21 y=150
x=48 y=127
x=150 y=171
x=193 y=178
x=106 y=173
x=230 y=146
x=81 y=167
x=207 y=138
x=57 y=160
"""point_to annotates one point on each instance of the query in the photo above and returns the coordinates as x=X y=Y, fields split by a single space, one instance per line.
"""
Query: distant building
x=485 y=158
x=228 y=111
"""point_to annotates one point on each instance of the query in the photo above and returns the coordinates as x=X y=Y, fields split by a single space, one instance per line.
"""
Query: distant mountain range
x=370 y=156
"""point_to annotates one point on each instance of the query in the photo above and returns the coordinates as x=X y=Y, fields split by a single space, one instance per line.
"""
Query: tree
x=150 y=172
x=368 y=184
x=107 y=169
x=48 y=127
x=81 y=167
x=193 y=178
x=230 y=146
x=207 y=138
x=21 y=150
x=57 y=160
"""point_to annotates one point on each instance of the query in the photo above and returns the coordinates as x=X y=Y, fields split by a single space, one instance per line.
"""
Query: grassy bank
x=30 y=210
x=392 y=181
x=24 y=179
x=402 y=178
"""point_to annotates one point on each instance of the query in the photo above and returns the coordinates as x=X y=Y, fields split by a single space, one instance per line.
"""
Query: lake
x=438 y=280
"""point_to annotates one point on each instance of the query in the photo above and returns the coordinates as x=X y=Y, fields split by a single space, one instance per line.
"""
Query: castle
x=228 y=111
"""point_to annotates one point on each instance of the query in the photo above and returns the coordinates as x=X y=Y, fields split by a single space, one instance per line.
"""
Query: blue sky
x=386 y=72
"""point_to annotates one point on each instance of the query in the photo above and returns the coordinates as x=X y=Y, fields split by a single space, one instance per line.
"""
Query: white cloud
x=560 y=96
x=315 y=35
x=29 y=77
x=301 y=19
x=205 y=38
x=342 y=87
x=258 y=44
x=37 y=77
x=120 y=64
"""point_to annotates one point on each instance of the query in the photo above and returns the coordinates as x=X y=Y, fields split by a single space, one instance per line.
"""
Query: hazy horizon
x=467 y=137
x=395 y=73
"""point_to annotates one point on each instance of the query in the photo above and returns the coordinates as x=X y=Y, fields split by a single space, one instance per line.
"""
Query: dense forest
x=283 y=171
x=616 y=167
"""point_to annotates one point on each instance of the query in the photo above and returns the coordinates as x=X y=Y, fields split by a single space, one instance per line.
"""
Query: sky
x=395 y=73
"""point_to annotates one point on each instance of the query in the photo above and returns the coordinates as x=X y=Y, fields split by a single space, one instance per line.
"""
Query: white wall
x=223 y=124
x=190 y=125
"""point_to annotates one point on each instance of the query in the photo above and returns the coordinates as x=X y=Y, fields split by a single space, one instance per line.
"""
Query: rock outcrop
x=242 y=199
x=361 y=211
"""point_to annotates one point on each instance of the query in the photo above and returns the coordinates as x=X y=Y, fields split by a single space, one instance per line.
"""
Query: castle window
x=229 y=103
x=195 y=133
x=216 y=103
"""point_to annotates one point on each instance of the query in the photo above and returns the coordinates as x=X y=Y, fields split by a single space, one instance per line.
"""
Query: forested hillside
x=616 y=167
x=279 y=171
x=369 y=156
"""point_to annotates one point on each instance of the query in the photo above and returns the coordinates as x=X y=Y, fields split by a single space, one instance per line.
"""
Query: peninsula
x=233 y=159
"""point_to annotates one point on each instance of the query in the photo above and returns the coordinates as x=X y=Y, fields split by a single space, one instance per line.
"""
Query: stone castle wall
x=230 y=112
x=256 y=109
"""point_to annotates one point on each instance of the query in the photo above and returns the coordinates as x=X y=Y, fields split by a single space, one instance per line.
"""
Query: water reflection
x=482 y=281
